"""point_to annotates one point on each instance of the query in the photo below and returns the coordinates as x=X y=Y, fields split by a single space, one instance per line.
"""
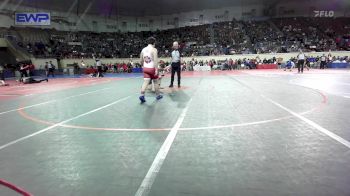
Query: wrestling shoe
x=142 y=99
x=159 y=97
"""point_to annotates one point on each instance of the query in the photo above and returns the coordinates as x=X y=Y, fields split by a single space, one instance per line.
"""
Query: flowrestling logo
x=324 y=13
x=41 y=18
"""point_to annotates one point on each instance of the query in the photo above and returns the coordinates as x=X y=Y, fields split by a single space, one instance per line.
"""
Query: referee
x=301 y=61
x=99 y=68
x=175 y=65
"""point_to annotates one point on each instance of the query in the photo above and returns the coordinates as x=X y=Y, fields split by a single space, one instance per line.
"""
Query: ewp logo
x=32 y=18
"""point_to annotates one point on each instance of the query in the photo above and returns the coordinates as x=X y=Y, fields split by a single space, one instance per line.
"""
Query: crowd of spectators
x=27 y=68
x=252 y=63
x=301 y=33
x=229 y=63
x=223 y=38
x=264 y=37
x=230 y=38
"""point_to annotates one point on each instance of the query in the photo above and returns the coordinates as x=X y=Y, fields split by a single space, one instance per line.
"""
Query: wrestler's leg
x=144 y=85
x=143 y=89
x=156 y=86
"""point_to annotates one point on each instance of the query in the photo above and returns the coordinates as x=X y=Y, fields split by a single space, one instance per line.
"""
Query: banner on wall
x=33 y=19
x=323 y=13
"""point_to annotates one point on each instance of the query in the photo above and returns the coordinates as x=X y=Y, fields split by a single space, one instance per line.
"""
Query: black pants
x=100 y=71
x=23 y=73
x=31 y=73
x=301 y=66
x=175 y=67
x=51 y=71
x=2 y=75
x=322 y=65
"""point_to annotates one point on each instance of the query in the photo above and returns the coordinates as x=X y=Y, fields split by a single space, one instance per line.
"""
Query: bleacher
x=239 y=37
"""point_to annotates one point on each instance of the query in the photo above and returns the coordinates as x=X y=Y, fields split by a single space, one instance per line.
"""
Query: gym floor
x=228 y=133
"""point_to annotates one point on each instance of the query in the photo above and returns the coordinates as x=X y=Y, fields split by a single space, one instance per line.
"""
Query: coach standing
x=175 y=65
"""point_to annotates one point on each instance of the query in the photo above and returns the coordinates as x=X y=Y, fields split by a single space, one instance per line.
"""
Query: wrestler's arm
x=141 y=59
x=155 y=55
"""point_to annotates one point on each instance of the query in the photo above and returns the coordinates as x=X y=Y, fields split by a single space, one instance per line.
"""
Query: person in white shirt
x=149 y=62
x=301 y=61
x=51 y=69
x=82 y=64
x=3 y=83
x=99 y=68
x=330 y=57
x=175 y=65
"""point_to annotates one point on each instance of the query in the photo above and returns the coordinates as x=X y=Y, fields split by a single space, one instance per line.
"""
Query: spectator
x=31 y=69
x=23 y=71
x=2 y=72
x=50 y=69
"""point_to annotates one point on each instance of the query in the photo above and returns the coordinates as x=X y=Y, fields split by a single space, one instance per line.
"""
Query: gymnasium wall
x=40 y=63
x=3 y=43
x=285 y=56
x=341 y=8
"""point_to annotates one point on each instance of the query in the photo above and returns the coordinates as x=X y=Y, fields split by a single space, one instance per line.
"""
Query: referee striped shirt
x=175 y=56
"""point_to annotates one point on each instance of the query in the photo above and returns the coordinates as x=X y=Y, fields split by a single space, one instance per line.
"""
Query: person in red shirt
x=119 y=67
x=230 y=64
x=125 y=67
x=211 y=64
x=31 y=69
